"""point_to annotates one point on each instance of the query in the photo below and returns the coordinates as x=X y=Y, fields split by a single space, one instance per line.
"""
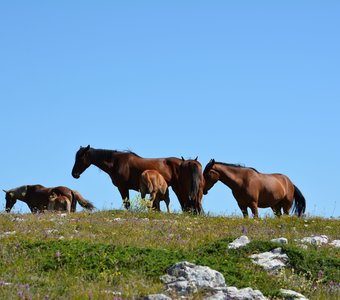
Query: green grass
x=121 y=254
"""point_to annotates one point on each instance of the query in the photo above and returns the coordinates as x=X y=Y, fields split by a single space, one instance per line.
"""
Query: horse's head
x=82 y=161
x=210 y=176
x=10 y=200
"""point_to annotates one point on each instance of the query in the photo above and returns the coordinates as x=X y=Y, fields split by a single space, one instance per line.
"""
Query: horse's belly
x=269 y=200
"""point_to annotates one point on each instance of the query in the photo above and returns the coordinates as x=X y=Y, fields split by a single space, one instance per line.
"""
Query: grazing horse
x=153 y=183
x=58 y=203
x=253 y=189
x=125 y=170
x=37 y=197
x=192 y=182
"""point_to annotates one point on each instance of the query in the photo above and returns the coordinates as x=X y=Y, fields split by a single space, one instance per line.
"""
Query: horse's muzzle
x=75 y=175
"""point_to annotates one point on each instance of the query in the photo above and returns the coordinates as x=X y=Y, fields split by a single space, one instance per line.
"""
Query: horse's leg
x=277 y=210
x=153 y=198
x=125 y=196
x=51 y=204
x=180 y=197
x=243 y=208
x=286 y=205
x=254 y=210
x=142 y=191
x=167 y=200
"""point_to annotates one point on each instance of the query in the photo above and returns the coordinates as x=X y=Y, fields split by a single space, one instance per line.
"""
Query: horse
x=58 y=203
x=153 y=183
x=192 y=182
x=125 y=169
x=37 y=197
x=254 y=189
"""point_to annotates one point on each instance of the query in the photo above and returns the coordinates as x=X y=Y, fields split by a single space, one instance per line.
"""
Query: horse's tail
x=299 y=202
x=82 y=201
x=194 y=196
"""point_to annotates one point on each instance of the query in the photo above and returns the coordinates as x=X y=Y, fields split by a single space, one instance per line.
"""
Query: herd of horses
x=154 y=176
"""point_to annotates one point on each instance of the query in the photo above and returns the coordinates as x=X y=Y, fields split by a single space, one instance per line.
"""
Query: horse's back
x=167 y=167
x=274 y=188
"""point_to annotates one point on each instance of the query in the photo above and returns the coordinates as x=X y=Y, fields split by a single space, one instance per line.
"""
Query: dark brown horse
x=153 y=183
x=37 y=197
x=125 y=170
x=192 y=182
x=253 y=189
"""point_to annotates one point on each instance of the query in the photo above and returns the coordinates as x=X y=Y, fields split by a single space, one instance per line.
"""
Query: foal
x=58 y=203
x=153 y=183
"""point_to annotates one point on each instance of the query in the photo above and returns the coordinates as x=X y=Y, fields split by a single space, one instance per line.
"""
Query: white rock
x=292 y=295
x=185 y=278
x=240 y=242
x=316 y=240
x=272 y=260
x=280 y=240
x=157 y=297
x=335 y=243
x=243 y=294
x=190 y=278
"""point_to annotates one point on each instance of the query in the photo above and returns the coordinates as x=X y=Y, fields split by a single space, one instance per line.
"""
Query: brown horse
x=125 y=170
x=153 y=183
x=192 y=182
x=37 y=197
x=59 y=203
x=253 y=189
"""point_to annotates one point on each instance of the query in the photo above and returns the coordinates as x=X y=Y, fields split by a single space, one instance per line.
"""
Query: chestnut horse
x=253 y=189
x=37 y=197
x=153 y=183
x=59 y=203
x=125 y=170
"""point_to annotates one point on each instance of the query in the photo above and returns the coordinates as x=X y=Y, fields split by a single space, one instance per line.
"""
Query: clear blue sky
x=250 y=82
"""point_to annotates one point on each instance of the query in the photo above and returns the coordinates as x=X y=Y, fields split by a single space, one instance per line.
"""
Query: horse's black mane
x=104 y=153
x=236 y=166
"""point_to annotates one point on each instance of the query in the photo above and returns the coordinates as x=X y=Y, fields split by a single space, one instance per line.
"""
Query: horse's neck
x=230 y=176
x=20 y=192
x=103 y=164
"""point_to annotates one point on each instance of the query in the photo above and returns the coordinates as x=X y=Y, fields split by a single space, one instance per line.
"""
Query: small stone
x=280 y=240
x=292 y=295
x=157 y=297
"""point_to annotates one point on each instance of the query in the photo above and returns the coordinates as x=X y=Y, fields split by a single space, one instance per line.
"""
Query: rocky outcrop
x=185 y=278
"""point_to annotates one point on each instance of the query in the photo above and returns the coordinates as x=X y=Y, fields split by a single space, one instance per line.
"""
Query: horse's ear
x=212 y=161
x=182 y=158
x=87 y=148
x=5 y=191
x=196 y=158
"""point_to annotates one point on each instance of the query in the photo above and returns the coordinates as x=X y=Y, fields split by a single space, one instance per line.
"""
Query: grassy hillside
x=121 y=255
